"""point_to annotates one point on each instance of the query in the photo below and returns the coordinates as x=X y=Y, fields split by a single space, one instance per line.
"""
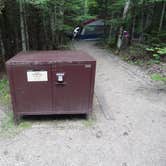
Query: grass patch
x=152 y=62
x=4 y=92
x=158 y=77
x=7 y=126
x=89 y=122
x=9 y=129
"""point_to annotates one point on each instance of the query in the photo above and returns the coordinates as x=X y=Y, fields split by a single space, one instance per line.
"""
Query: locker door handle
x=61 y=83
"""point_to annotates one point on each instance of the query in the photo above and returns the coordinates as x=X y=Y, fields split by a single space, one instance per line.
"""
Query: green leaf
x=158 y=77
x=149 y=49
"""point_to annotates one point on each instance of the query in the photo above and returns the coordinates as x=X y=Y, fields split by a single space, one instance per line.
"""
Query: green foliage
x=112 y=42
x=47 y=22
x=90 y=122
x=78 y=11
x=154 y=37
x=117 y=5
x=115 y=22
x=38 y=2
x=158 y=77
x=157 y=52
x=9 y=129
x=83 y=18
x=4 y=92
x=161 y=51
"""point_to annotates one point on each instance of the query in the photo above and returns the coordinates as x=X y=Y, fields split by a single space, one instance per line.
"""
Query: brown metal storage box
x=51 y=82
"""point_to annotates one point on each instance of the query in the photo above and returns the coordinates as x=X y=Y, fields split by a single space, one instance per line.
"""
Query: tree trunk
x=110 y=30
x=22 y=26
x=26 y=27
x=110 y=33
x=162 y=16
x=142 y=22
x=52 y=28
x=62 y=22
x=133 y=28
x=120 y=36
x=56 y=24
x=45 y=40
x=105 y=18
x=27 y=34
x=2 y=48
x=85 y=7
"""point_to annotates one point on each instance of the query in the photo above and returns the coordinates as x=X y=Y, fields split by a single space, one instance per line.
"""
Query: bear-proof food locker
x=51 y=82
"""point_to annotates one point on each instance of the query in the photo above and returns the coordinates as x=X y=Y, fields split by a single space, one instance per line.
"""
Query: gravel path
x=127 y=127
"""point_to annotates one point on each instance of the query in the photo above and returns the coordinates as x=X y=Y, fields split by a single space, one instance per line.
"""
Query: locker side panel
x=92 y=86
x=12 y=89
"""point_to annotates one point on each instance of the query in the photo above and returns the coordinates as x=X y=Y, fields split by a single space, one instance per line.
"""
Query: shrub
x=157 y=53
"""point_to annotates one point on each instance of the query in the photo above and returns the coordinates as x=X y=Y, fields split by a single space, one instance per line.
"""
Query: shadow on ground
x=47 y=118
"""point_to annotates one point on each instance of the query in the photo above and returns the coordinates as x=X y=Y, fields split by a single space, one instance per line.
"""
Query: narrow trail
x=133 y=104
x=127 y=126
x=115 y=77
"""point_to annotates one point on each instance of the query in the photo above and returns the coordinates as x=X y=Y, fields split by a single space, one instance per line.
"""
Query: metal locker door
x=32 y=84
x=72 y=83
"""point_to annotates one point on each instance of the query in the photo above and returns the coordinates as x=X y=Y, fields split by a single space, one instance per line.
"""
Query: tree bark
x=142 y=22
x=85 y=7
x=45 y=40
x=110 y=33
x=133 y=28
x=110 y=29
x=52 y=27
x=26 y=27
x=56 y=28
x=2 y=48
x=105 y=18
x=27 y=34
x=62 y=22
x=22 y=26
x=120 y=36
x=162 y=16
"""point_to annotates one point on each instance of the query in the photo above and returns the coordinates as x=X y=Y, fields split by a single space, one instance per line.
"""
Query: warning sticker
x=37 y=76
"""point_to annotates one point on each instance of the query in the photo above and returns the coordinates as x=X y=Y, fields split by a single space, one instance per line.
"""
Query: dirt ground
x=127 y=127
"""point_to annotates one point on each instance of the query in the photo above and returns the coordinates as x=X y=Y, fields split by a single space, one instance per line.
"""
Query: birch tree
x=120 y=36
x=162 y=16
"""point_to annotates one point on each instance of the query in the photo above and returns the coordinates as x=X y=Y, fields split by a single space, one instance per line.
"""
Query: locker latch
x=60 y=77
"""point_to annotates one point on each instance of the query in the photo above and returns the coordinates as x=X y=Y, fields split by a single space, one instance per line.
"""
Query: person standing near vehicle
x=76 y=32
x=125 y=39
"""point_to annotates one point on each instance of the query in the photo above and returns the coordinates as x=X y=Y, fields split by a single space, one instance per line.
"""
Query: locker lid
x=50 y=57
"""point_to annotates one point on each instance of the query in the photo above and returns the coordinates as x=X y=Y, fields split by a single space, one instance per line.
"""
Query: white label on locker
x=37 y=76
x=88 y=66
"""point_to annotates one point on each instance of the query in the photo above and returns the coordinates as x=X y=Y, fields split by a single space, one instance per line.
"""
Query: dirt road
x=127 y=127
